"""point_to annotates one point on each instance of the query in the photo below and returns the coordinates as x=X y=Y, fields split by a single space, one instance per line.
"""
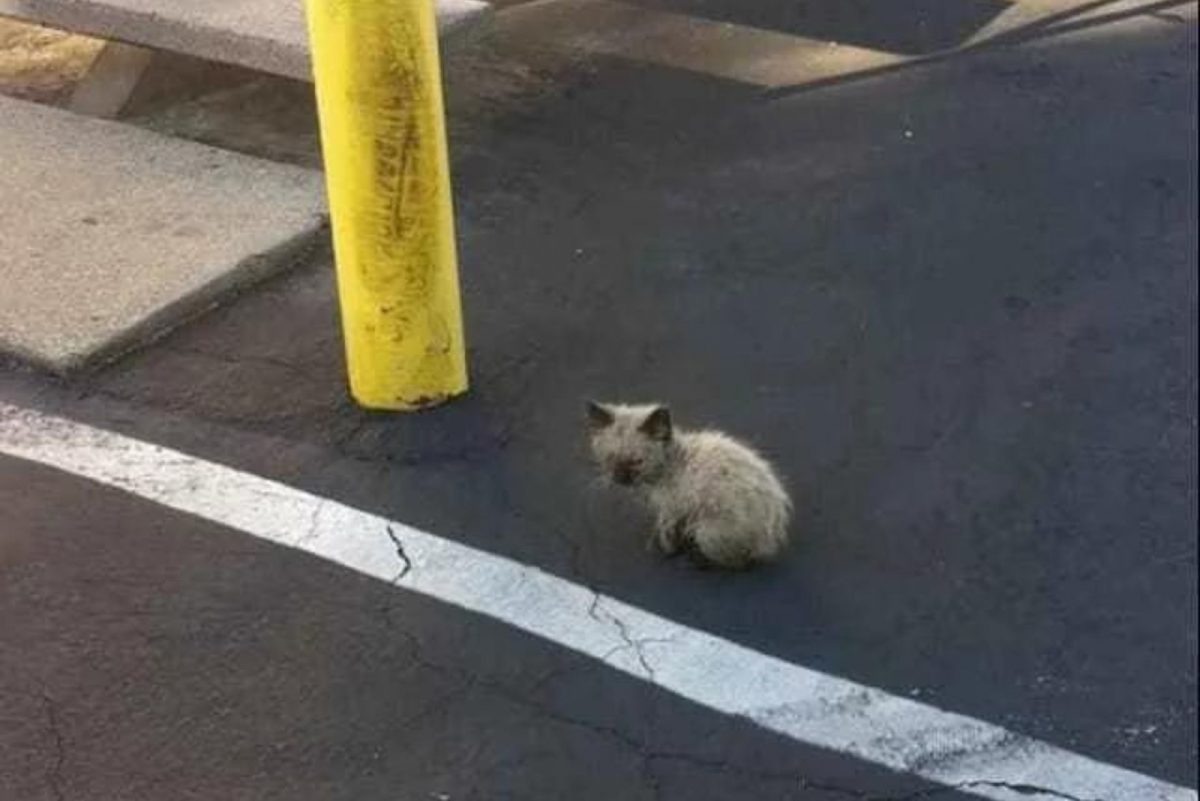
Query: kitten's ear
x=598 y=415
x=657 y=425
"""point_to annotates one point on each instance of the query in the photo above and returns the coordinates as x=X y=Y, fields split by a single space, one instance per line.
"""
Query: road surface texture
x=954 y=299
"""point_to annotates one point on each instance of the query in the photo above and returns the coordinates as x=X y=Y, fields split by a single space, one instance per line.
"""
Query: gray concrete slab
x=110 y=234
x=266 y=35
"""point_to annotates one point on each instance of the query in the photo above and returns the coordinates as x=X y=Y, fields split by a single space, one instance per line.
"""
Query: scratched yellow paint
x=383 y=136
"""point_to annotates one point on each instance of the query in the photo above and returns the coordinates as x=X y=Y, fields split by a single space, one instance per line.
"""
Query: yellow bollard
x=383 y=137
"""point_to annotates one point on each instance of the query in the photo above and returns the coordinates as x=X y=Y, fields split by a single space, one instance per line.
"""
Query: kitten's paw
x=656 y=543
x=673 y=537
x=698 y=558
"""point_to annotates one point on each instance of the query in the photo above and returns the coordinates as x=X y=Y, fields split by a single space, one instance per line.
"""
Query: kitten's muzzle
x=624 y=473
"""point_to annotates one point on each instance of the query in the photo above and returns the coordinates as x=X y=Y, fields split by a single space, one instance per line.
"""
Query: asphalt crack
x=637 y=746
x=780 y=777
x=637 y=645
x=649 y=756
x=239 y=360
x=862 y=795
x=54 y=773
x=574 y=666
x=1024 y=789
x=406 y=564
x=314 y=520
x=1020 y=788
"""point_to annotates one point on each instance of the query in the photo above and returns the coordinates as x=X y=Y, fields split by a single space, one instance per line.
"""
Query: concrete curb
x=266 y=35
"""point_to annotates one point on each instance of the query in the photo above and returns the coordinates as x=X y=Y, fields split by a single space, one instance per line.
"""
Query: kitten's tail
x=778 y=524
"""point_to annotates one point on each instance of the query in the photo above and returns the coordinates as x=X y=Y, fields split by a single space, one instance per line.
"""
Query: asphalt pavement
x=954 y=301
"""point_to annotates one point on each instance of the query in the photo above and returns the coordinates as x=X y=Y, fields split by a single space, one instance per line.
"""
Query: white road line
x=791 y=700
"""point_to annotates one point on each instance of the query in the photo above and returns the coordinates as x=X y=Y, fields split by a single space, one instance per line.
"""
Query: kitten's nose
x=623 y=473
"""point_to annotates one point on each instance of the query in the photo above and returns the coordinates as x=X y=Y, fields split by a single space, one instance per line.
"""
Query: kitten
x=711 y=494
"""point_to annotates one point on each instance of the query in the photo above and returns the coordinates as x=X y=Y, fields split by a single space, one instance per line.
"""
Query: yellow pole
x=383 y=136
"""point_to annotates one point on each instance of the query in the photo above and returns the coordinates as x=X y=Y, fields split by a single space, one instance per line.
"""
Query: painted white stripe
x=790 y=700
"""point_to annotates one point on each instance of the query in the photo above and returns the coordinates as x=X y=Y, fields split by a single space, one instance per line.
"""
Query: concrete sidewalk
x=110 y=234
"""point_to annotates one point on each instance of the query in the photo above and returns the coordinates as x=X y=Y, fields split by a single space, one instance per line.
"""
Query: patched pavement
x=955 y=303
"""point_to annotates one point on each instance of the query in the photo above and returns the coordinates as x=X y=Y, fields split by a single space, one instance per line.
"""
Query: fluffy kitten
x=710 y=494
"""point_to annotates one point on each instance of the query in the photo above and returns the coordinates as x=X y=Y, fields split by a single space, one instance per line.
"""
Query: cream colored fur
x=709 y=492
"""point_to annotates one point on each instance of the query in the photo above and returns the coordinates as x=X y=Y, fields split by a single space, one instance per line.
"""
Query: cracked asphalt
x=955 y=302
